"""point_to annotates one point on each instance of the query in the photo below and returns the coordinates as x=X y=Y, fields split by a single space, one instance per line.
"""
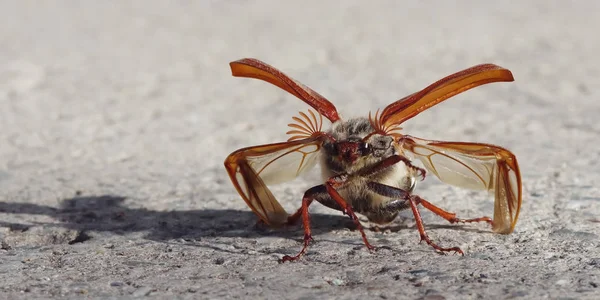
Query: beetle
x=367 y=163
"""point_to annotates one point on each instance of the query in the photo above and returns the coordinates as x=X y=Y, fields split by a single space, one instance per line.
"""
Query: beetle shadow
x=109 y=213
x=428 y=227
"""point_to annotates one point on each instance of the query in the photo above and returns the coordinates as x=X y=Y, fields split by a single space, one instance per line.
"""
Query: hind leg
x=451 y=217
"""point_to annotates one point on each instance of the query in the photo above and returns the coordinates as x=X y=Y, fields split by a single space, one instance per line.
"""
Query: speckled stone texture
x=115 y=119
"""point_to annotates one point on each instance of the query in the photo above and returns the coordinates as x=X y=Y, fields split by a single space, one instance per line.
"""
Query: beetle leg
x=451 y=217
x=390 y=161
x=409 y=164
x=401 y=194
x=328 y=196
x=322 y=197
x=331 y=185
x=413 y=201
x=311 y=194
x=336 y=201
x=292 y=219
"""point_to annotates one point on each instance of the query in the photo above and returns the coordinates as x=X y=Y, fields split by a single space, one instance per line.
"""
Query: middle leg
x=413 y=201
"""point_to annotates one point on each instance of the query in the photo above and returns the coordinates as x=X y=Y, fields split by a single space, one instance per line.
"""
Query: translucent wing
x=477 y=167
x=252 y=169
x=411 y=105
x=254 y=68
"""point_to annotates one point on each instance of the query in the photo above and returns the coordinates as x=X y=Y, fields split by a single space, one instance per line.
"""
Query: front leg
x=413 y=201
x=331 y=185
x=390 y=161
x=328 y=196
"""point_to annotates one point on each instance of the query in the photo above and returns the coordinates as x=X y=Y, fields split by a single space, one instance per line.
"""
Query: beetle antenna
x=305 y=126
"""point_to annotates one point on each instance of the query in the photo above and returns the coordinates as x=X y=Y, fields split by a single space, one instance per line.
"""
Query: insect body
x=354 y=153
x=367 y=163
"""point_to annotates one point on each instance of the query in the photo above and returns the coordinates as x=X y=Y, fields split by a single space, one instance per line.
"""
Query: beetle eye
x=365 y=148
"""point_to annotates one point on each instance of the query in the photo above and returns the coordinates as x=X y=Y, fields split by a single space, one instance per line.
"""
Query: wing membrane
x=252 y=169
x=474 y=166
x=254 y=68
x=410 y=106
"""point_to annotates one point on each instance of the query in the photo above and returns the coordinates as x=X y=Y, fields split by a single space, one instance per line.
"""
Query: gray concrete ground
x=115 y=119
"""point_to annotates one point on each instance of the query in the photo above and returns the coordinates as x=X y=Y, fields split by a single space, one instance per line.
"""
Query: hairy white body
x=354 y=190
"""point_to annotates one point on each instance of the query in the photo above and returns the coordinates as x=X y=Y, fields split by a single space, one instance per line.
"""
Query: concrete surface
x=115 y=119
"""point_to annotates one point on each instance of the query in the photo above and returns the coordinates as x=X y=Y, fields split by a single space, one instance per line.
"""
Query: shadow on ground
x=109 y=214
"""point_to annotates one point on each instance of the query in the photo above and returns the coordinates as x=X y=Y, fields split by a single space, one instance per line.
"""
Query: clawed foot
x=420 y=171
x=453 y=249
x=482 y=219
x=372 y=248
x=287 y=258
x=307 y=239
x=441 y=249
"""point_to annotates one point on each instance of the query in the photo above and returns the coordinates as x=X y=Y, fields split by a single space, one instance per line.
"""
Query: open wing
x=254 y=68
x=474 y=166
x=409 y=106
x=251 y=169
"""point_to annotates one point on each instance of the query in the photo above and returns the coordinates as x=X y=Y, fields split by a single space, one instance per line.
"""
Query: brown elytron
x=367 y=162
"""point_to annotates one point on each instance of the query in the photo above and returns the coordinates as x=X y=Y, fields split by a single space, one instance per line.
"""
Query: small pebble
x=337 y=282
x=562 y=282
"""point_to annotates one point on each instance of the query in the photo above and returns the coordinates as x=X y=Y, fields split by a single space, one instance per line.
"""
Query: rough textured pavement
x=115 y=119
